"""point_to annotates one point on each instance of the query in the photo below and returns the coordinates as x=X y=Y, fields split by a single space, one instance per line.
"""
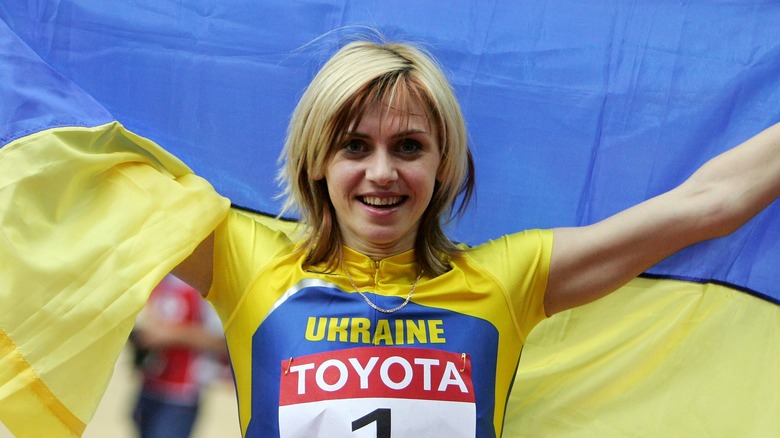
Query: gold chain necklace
x=374 y=306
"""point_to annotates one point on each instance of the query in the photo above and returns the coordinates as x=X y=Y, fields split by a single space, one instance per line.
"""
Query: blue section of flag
x=576 y=109
x=35 y=97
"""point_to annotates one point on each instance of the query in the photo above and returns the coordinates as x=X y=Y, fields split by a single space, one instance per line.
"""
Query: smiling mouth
x=383 y=202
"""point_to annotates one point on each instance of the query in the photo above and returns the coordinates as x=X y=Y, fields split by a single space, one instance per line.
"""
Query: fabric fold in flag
x=93 y=218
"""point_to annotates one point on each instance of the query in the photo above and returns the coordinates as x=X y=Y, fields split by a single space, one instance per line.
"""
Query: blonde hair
x=360 y=74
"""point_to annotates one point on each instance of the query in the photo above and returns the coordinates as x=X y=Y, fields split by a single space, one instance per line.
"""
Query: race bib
x=377 y=392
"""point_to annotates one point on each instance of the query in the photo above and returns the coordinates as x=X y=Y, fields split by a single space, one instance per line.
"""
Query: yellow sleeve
x=243 y=244
x=520 y=263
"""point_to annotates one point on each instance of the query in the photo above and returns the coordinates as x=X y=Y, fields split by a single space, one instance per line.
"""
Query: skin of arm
x=196 y=269
x=590 y=262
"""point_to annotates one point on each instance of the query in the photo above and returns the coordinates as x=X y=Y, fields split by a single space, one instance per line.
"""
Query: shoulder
x=244 y=243
x=535 y=243
x=512 y=259
x=244 y=233
x=518 y=265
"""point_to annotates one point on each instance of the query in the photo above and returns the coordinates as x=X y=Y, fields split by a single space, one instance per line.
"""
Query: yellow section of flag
x=658 y=358
x=92 y=219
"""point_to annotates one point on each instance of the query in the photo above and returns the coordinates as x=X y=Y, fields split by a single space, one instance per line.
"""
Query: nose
x=381 y=168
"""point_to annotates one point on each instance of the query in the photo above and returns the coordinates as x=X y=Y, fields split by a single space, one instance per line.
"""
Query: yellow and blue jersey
x=312 y=358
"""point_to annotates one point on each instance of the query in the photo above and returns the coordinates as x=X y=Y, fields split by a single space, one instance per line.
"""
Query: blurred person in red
x=179 y=348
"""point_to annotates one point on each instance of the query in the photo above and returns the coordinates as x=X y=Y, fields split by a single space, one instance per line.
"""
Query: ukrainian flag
x=576 y=110
x=93 y=217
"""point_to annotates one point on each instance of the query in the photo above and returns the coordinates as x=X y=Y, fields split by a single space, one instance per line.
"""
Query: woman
x=372 y=319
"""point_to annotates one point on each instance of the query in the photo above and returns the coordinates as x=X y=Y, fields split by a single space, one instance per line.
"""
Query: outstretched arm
x=592 y=261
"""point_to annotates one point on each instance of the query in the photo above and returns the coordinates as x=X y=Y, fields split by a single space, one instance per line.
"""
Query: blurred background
x=218 y=416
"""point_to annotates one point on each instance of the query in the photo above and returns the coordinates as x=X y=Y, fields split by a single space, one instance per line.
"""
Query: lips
x=382 y=201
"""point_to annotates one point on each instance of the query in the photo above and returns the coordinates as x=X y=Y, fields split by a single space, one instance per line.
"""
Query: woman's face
x=381 y=179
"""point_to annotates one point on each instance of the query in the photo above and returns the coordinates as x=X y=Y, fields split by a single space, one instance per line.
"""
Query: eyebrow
x=406 y=133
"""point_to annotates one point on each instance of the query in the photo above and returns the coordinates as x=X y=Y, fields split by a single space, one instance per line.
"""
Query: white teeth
x=371 y=200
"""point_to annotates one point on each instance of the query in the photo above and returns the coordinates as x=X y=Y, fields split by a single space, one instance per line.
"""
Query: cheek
x=332 y=184
x=429 y=175
x=339 y=180
x=423 y=184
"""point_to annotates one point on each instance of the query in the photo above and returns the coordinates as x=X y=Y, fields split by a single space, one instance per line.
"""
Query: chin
x=386 y=239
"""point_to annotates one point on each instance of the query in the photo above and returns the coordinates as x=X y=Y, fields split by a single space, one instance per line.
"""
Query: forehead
x=409 y=114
